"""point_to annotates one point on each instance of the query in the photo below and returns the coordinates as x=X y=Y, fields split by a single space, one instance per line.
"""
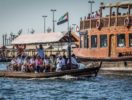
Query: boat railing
x=105 y=21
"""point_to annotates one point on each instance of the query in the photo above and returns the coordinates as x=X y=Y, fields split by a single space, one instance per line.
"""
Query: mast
x=69 y=43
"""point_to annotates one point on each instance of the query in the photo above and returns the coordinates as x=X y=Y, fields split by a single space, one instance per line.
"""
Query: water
x=67 y=88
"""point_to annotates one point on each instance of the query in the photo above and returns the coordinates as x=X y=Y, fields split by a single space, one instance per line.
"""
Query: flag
x=63 y=19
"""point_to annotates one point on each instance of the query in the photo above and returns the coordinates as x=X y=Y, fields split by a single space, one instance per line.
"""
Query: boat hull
x=74 y=72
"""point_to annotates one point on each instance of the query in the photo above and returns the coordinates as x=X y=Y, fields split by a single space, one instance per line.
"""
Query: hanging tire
x=127 y=21
x=98 y=24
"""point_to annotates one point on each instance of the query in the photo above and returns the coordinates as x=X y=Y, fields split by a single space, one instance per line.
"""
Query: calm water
x=66 y=88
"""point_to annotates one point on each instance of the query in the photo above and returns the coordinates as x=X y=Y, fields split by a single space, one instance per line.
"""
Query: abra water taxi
x=87 y=72
x=92 y=70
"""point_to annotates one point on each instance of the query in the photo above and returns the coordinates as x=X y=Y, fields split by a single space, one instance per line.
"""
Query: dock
x=125 y=71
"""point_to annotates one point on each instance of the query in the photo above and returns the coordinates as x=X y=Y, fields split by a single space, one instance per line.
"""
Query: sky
x=27 y=14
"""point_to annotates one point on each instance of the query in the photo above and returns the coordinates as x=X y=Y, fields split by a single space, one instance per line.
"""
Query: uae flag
x=63 y=19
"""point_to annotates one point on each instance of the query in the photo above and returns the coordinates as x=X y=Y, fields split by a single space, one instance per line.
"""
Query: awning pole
x=69 y=43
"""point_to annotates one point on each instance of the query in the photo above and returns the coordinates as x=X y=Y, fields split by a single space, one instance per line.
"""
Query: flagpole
x=69 y=42
x=68 y=22
x=65 y=18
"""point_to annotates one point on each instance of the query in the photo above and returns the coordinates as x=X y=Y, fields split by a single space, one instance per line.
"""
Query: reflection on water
x=67 y=88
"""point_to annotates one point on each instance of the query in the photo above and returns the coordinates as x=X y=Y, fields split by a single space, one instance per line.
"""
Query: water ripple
x=67 y=88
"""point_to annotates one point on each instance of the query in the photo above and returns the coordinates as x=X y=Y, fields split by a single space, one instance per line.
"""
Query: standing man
x=40 y=51
x=20 y=49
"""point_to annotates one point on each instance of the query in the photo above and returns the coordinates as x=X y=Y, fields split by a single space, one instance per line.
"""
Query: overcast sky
x=27 y=14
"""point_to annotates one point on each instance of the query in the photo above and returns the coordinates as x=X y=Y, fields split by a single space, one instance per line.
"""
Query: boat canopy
x=123 y=4
x=44 y=38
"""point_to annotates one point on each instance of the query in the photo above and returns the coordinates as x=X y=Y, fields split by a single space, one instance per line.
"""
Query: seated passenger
x=113 y=13
x=38 y=65
x=13 y=64
x=53 y=63
x=47 y=64
x=59 y=64
x=25 y=65
x=64 y=62
x=73 y=62
x=19 y=62
x=30 y=68
x=32 y=63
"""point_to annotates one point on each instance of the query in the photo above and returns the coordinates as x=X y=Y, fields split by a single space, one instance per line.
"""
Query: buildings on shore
x=52 y=43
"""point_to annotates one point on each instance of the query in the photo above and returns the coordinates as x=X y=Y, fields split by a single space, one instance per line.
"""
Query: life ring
x=127 y=21
x=98 y=24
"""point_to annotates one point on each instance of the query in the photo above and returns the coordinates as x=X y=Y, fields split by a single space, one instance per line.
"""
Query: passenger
x=74 y=59
x=29 y=67
x=64 y=62
x=97 y=15
x=92 y=15
x=88 y=17
x=40 y=51
x=38 y=64
x=19 y=62
x=13 y=64
x=53 y=63
x=32 y=63
x=20 y=49
x=74 y=62
x=57 y=58
x=113 y=13
x=47 y=64
x=119 y=13
x=25 y=65
x=59 y=64
x=124 y=14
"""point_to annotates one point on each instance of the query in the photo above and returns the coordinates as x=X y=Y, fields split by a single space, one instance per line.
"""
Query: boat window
x=93 y=41
x=85 y=41
x=130 y=40
x=121 y=40
x=103 y=40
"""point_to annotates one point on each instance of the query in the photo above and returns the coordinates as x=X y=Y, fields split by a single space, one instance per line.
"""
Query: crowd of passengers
x=37 y=64
x=93 y=15
x=96 y=14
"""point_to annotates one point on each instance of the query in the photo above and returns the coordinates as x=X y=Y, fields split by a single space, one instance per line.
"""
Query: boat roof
x=123 y=4
x=43 y=38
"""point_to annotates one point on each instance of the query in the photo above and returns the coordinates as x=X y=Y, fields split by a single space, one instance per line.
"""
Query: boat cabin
x=109 y=36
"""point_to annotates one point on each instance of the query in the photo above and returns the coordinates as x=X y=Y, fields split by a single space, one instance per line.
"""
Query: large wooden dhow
x=108 y=38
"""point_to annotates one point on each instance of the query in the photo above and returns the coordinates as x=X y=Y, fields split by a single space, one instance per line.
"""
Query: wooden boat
x=107 y=38
x=92 y=71
x=50 y=38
